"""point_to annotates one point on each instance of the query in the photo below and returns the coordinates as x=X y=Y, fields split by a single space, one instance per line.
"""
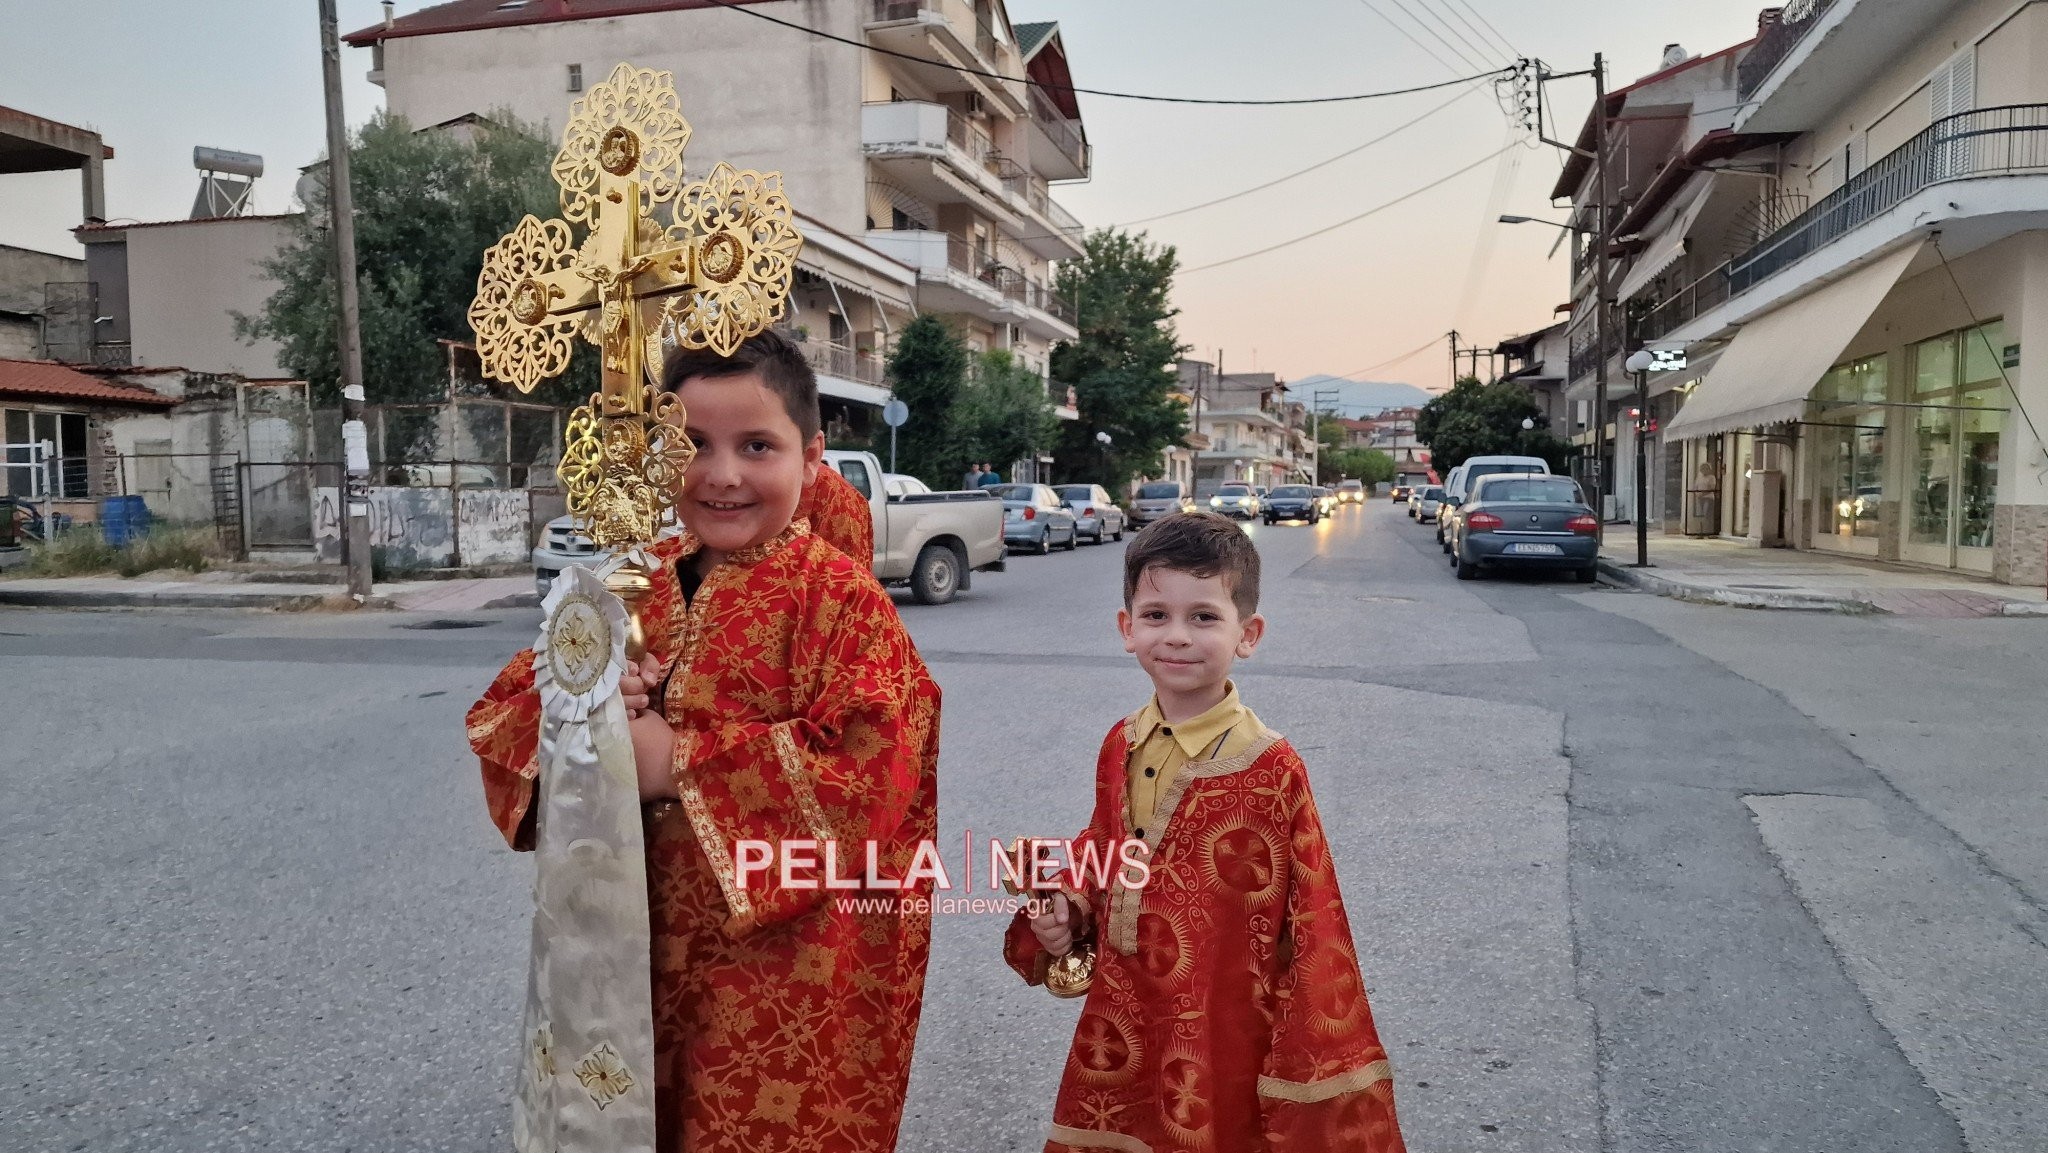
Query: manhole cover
x=1763 y=586
x=445 y=623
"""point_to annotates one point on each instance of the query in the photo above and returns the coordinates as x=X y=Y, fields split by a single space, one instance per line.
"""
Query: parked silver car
x=1159 y=498
x=1526 y=521
x=1098 y=516
x=1428 y=503
x=1036 y=518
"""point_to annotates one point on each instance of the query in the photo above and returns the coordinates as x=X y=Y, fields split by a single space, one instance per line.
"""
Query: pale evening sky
x=156 y=79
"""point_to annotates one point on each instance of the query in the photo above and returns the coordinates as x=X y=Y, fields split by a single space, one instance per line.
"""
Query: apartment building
x=925 y=187
x=1249 y=430
x=1854 y=265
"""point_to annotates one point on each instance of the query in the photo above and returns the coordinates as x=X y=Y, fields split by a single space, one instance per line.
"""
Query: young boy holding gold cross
x=780 y=702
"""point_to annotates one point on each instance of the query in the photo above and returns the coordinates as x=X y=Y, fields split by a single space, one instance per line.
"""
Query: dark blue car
x=1523 y=521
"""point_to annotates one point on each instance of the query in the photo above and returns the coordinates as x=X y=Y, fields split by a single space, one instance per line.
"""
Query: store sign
x=2011 y=359
x=1667 y=359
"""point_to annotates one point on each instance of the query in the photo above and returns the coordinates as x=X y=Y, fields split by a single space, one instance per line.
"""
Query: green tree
x=929 y=367
x=1476 y=419
x=1122 y=366
x=1001 y=415
x=427 y=205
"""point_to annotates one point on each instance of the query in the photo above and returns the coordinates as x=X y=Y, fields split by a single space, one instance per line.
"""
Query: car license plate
x=1535 y=550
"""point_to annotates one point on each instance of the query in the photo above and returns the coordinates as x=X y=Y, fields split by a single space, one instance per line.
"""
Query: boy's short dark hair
x=769 y=355
x=1202 y=545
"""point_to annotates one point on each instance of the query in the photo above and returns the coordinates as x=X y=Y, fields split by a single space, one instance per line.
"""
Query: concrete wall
x=756 y=96
x=432 y=527
x=24 y=271
x=184 y=282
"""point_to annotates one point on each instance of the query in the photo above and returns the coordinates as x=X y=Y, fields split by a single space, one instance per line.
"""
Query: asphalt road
x=1625 y=874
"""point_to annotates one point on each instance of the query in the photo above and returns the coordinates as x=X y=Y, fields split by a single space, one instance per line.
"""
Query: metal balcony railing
x=1064 y=132
x=1585 y=358
x=1986 y=142
x=833 y=359
x=888 y=10
x=1795 y=20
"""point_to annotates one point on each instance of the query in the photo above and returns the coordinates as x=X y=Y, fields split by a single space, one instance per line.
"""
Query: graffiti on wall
x=431 y=527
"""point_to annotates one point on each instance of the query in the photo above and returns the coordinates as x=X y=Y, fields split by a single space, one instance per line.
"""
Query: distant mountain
x=1357 y=398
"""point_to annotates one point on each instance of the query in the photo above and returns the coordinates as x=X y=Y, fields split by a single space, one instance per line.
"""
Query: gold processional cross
x=664 y=262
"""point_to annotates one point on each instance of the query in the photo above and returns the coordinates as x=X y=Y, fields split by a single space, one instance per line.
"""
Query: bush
x=83 y=551
x=191 y=549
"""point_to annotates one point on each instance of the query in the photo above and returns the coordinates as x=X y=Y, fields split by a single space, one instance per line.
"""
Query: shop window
x=1962 y=398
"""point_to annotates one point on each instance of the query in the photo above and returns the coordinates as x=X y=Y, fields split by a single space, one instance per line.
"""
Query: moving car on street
x=1159 y=498
x=1098 y=516
x=1036 y=518
x=1293 y=502
x=1326 y=500
x=932 y=542
x=1526 y=521
x=1236 y=500
x=1351 y=491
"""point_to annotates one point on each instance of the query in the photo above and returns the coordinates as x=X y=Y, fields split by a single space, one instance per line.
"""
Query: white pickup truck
x=933 y=542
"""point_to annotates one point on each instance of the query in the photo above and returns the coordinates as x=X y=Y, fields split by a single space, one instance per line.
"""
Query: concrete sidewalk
x=212 y=591
x=1715 y=571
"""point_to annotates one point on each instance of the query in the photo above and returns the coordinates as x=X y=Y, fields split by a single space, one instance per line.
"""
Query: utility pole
x=1602 y=240
x=355 y=542
x=1454 y=358
x=1316 y=432
x=1195 y=432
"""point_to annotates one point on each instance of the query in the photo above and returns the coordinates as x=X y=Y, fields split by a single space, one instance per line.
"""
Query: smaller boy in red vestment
x=1225 y=1013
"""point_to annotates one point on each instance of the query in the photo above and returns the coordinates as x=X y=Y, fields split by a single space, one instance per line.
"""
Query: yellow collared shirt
x=1159 y=749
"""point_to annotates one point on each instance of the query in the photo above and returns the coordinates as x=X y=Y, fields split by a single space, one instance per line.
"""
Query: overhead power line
x=1488 y=25
x=1418 y=350
x=734 y=6
x=1402 y=7
x=1409 y=36
x=1353 y=219
x=1434 y=11
x=1352 y=151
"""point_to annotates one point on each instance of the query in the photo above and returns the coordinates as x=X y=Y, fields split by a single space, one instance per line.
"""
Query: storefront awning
x=1666 y=251
x=1765 y=374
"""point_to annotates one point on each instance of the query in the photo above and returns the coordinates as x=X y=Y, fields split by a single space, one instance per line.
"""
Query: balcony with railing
x=830 y=358
x=964 y=26
x=1989 y=142
x=1794 y=21
x=1064 y=153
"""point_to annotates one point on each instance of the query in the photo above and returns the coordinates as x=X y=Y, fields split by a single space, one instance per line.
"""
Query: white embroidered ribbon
x=587 y=1079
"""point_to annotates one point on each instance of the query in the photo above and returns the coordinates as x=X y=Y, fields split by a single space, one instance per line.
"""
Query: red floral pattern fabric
x=784 y=1019
x=1226 y=1014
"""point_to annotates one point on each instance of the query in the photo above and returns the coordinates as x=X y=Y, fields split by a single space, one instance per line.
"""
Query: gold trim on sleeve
x=708 y=835
x=791 y=760
x=1097 y=1139
x=1310 y=1092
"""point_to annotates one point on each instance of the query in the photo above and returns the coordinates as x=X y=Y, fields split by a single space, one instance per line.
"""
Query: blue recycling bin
x=123 y=519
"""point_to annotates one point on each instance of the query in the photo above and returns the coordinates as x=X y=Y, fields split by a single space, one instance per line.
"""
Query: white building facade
x=924 y=187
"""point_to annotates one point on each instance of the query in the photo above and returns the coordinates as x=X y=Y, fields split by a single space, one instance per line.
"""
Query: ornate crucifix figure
x=715 y=272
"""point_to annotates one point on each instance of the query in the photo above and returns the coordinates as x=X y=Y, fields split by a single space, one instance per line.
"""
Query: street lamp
x=1540 y=220
x=1639 y=362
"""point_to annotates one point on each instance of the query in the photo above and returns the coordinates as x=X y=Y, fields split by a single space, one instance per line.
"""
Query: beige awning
x=1766 y=372
x=1666 y=250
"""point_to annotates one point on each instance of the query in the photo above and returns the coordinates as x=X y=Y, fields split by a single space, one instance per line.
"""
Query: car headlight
x=1215 y=502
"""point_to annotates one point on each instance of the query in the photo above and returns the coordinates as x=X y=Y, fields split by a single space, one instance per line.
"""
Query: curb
x=67 y=599
x=1735 y=598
